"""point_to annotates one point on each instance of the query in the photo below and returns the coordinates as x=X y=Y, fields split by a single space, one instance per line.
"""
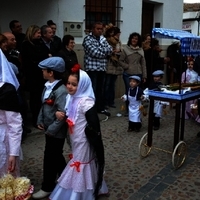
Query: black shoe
x=105 y=112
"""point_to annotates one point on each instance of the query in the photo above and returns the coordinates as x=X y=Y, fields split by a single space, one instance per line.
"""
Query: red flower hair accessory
x=76 y=68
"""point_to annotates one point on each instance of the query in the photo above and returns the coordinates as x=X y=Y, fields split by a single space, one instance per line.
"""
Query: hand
x=60 y=115
x=144 y=80
x=11 y=163
x=40 y=126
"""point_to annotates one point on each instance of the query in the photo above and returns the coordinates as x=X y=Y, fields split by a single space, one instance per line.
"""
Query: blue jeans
x=109 y=92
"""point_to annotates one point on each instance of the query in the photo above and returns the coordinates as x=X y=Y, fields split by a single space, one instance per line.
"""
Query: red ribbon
x=70 y=124
x=77 y=165
x=70 y=156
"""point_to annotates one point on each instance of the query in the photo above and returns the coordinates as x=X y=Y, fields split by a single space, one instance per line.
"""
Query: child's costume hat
x=135 y=78
x=158 y=73
x=53 y=63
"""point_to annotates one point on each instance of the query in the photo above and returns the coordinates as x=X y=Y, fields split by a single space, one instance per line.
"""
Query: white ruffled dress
x=77 y=182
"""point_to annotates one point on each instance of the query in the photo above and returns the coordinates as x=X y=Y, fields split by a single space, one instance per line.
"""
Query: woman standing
x=132 y=60
x=113 y=68
x=32 y=53
x=56 y=40
x=68 y=54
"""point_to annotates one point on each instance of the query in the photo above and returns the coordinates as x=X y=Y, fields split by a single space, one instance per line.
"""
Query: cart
x=190 y=45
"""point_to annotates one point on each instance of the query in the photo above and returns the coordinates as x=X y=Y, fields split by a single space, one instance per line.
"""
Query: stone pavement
x=128 y=176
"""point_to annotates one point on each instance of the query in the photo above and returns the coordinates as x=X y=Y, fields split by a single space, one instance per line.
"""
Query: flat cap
x=135 y=78
x=53 y=63
x=158 y=73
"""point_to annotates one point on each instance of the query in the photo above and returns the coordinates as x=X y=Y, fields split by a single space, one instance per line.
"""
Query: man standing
x=13 y=56
x=47 y=40
x=16 y=29
x=96 y=55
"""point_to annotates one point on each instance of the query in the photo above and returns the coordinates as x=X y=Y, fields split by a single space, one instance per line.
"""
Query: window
x=105 y=11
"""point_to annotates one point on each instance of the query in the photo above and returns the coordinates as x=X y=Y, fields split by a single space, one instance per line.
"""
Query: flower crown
x=76 y=68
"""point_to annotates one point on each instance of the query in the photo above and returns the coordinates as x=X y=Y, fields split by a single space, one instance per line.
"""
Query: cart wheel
x=104 y=120
x=179 y=154
x=144 y=149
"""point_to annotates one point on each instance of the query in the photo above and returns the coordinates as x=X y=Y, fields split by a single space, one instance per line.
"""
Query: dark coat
x=70 y=59
x=31 y=55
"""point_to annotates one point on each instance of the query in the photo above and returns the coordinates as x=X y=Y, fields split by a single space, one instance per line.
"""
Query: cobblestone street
x=128 y=176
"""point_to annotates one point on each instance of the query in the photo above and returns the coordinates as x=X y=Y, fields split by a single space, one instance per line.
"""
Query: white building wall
x=191 y=26
x=131 y=17
x=167 y=12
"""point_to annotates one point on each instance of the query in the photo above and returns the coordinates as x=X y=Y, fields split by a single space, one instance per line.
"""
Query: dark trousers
x=109 y=92
x=156 y=121
x=97 y=79
x=53 y=163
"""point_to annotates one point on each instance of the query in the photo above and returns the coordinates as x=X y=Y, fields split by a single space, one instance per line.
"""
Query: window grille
x=105 y=11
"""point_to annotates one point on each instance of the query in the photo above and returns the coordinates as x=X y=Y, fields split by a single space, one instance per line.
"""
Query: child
x=10 y=120
x=134 y=96
x=189 y=76
x=158 y=105
x=83 y=176
x=53 y=99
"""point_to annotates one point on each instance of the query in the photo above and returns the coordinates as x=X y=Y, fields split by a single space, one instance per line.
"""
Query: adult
x=68 y=54
x=146 y=45
x=33 y=51
x=10 y=120
x=132 y=60
x=11 y=53
x=174 y=65
x=96 y=55
x=113 y=68
x=13 y=57
x=16 y=28
x=47 y=40
x=56 y=40
x=157 y=62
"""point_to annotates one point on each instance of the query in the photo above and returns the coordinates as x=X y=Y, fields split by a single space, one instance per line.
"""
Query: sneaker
x=105 y=112
x=40 y=194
